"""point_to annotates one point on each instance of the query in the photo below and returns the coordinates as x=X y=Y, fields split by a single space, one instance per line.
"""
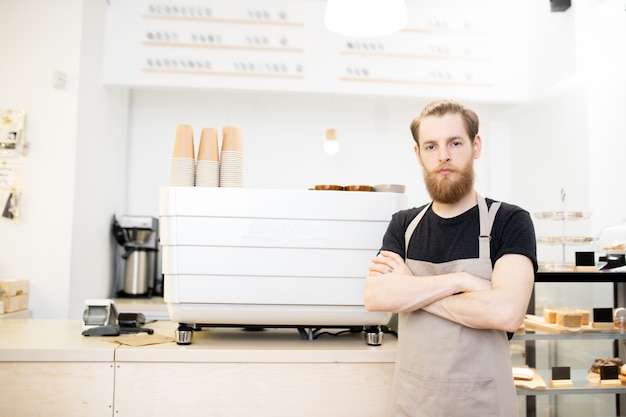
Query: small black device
x=126 y=323
x=560 y=5
x=106 y=330
x=613 y=260
x=131 y=320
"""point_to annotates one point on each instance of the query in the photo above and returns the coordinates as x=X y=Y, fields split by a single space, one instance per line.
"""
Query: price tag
x=603 y=318
x=609 y=372
x=585 y=262
x=603 y=315
x=609 y=376
x=561 y=377
x=561 y=372
x=585 y=259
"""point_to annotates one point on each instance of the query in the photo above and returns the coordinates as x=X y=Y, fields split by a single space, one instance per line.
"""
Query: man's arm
x=502 y=307
x=402 y=291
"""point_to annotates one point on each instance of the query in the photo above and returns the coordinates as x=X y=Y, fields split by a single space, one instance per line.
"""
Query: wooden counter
x=27 y=340
x=225 y=371
x=48 y=369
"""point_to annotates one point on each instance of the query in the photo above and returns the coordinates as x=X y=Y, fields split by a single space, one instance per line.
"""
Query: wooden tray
x=538 y=322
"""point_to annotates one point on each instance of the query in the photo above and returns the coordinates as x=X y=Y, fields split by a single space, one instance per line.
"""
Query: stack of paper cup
x=208 y=164
x=231 y=158
x=183 y=159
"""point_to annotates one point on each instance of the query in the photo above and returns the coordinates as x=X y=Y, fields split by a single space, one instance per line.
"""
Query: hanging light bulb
x=331 y=146
x=365 y=17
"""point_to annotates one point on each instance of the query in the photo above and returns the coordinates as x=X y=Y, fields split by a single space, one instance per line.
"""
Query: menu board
x=467 y=51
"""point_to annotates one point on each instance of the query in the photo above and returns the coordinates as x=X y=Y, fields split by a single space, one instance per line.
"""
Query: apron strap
x=487 y=217
x=411 y=228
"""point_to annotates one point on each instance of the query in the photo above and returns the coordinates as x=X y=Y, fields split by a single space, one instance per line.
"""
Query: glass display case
x=542 y=349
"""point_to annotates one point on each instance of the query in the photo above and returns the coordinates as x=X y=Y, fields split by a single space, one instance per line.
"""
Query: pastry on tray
x=600 y=362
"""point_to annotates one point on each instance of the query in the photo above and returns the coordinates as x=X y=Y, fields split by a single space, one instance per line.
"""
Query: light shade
x=365 y=17
x=331 y=146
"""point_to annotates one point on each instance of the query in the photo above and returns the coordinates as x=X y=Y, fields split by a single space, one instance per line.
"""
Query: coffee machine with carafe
x=136 y=263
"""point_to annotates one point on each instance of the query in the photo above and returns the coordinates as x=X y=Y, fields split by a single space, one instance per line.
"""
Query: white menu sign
x=475 y=50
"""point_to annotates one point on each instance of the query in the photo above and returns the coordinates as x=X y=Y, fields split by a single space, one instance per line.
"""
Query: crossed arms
x=459 y=297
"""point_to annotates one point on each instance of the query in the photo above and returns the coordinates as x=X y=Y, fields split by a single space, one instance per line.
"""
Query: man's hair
x=443 y=107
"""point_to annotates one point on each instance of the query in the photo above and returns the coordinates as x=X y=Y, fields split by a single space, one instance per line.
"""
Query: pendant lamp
x=331 y=146
x=364 y=18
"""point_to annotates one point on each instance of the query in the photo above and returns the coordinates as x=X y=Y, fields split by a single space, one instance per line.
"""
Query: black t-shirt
x=439 y=240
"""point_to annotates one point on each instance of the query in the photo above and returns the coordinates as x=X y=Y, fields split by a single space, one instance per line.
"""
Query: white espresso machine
x=271 y=258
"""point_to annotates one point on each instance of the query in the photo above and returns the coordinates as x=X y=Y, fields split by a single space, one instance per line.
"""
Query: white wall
x=101 y=167
x=73 y=175
x=568 y=136
x=283 y=136
x=38 y=246
x=100 y=151
x=603 y=67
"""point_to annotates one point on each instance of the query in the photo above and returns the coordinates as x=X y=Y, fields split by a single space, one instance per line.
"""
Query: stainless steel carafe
x=138 y=240
x=138 y=271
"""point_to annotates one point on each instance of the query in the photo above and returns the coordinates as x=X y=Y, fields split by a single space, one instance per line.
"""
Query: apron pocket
x=419 y=397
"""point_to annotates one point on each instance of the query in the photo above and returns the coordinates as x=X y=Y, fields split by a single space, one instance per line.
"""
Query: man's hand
x=386 y=263
x=502 y=307
x=391 y=286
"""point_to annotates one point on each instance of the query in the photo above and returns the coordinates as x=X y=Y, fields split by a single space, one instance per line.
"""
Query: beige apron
x=446 y=369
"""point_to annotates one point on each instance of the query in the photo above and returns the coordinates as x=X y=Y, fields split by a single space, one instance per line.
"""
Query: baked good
x=523 y=374
x=600 y=362
x=358 y=188
x=569 y=319
x=585 y=317
x=577 y=214
x=549 y=315
x=558 y=215
x=616 y=246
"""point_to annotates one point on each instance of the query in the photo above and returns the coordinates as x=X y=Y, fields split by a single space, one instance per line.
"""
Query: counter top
x=28 y=340
x=267 y=345
x=61 y=341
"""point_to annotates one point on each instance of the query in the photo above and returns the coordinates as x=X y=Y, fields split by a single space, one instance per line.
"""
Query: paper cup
x=183 y=144
x=231 y=139
x=183 y=172
x=208 y=149
x=231 y=169
x=207 y=173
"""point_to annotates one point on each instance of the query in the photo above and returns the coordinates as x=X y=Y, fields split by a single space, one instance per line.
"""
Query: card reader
x=131 y=319
x=107 y=330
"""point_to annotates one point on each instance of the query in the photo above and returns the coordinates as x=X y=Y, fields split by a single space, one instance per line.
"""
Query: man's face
x=447 y=156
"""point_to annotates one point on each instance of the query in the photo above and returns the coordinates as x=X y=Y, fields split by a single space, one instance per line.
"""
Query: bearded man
x=459 y=271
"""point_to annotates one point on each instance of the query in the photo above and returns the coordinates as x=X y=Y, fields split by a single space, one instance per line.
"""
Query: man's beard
x=448 y=190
